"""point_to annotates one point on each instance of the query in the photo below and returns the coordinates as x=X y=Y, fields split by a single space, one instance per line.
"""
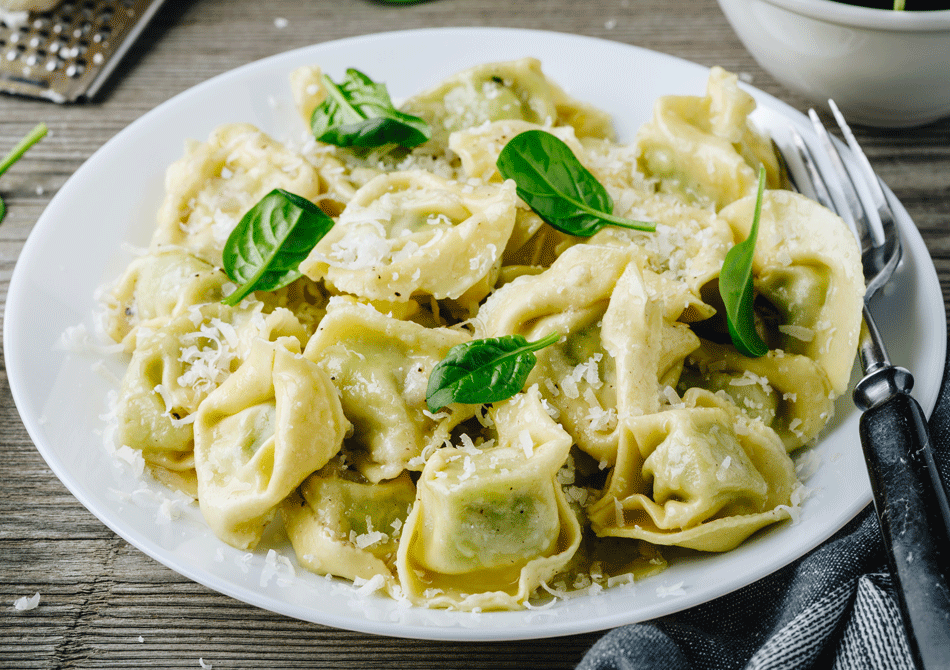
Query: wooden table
x=107 y=605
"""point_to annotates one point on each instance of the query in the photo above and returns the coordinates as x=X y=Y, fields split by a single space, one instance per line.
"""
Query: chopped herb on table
x=35 y=135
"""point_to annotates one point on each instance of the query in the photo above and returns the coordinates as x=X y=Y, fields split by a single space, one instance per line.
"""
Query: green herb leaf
x=358 y=112
x=551 y=180
x=34 y=136
x=265 y=249
x=736 y=289
x=483 y=371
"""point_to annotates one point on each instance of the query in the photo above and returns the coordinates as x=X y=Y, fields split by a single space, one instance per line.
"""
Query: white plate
x=77 y=245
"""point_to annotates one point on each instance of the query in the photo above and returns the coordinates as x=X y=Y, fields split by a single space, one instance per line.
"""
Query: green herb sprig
x=34 y=136
x=736 y=288
x=483 y=371
x=265 y=249
x=551 y=180
x=358 y=112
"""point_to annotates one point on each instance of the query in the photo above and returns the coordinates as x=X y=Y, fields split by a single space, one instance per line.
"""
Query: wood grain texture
x=104 y=603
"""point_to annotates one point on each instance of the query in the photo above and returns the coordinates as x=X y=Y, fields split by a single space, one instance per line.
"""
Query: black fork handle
x=911 y=503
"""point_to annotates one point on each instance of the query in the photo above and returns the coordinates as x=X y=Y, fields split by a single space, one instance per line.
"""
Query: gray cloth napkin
x=833 y=608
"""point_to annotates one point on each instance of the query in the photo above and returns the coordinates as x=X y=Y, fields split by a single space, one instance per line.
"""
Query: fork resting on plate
x=909 y=497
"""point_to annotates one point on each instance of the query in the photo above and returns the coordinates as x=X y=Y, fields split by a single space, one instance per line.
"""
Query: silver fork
x=909 y=497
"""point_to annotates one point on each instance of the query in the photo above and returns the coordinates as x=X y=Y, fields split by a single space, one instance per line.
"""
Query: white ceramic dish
x=79 y=243
x=882 y=68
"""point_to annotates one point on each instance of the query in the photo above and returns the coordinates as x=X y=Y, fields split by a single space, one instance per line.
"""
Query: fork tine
x=817 y=182
x=870 y=177
x=856 y=216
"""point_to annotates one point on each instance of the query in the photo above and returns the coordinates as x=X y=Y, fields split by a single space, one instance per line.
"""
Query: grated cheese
x=207 y=366
x=277 y=566
x=666 y=591
x=367 y=587
x=723 y=467
x=526 y=442
x=25 y=603
x=798 y=332
x=132 y=457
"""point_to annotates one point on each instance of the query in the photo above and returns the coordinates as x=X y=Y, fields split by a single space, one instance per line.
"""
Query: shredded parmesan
x=369 y=586
x=526 y=442
x=277 y=566
x=798 y=332
x=668 y=590
x=619 y=517
x=27 y=603
x=723 y=468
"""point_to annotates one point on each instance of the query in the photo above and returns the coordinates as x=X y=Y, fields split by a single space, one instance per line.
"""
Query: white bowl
x=883 y=68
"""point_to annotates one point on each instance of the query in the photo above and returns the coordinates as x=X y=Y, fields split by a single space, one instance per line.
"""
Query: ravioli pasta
x=641 y=428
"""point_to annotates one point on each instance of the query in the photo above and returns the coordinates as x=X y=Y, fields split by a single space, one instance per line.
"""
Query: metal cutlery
x=909 y=497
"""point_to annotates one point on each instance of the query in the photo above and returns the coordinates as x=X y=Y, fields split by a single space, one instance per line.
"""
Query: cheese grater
x=67 y=53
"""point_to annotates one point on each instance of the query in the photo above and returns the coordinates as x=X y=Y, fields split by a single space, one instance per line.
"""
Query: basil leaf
x=736 y=289
x=266 y=247
x=359 y=113
x=39 y=132
x=551 y=180
x=483 y=371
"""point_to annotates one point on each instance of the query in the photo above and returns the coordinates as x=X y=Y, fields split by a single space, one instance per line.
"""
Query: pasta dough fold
x=506 y=90
x=381 y=367
x=788 y=392
x=413 y=233
x=174 y=367
x=157 y=287
x=340 y=524
x=808 y=265
x=272 y=423
x=491 y=524
x=702 y=476
x=704 y=148
x=617 y=347
x=216 y=182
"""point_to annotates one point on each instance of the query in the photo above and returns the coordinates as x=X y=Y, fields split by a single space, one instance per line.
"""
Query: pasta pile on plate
x=641 y=428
